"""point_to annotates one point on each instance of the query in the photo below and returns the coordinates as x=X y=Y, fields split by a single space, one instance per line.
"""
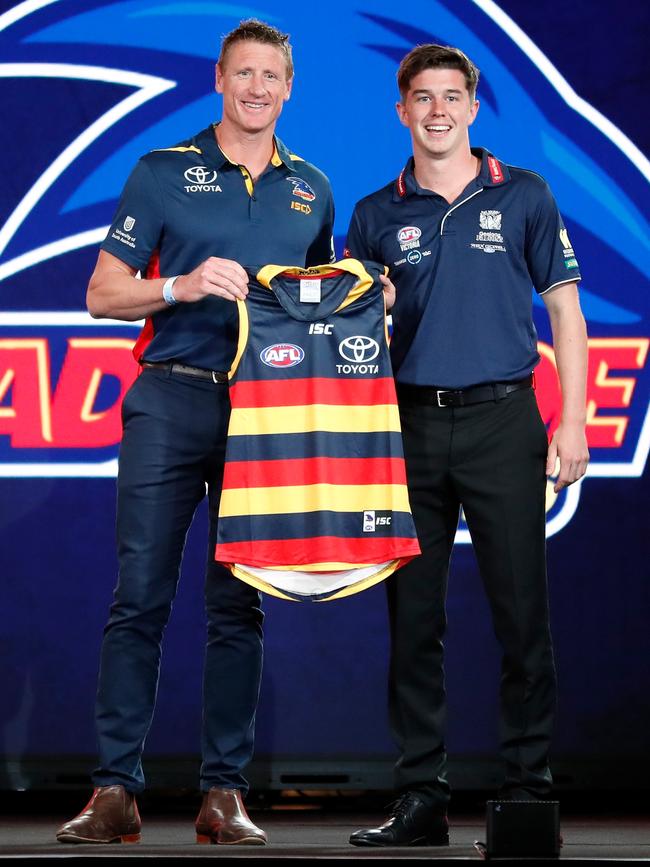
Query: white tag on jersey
x=310 y=290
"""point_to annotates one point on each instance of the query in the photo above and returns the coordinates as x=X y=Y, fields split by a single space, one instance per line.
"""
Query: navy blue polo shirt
x=185 y=203
x=464 y=271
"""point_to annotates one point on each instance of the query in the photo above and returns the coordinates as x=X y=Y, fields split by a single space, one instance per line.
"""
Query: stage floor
x=316 y=835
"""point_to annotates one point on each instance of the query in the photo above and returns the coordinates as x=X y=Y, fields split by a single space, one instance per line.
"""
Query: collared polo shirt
x=185 y=203
x=464 y=271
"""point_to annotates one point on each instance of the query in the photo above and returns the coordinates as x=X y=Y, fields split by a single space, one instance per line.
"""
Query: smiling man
x=190 y=218
x=466 y=237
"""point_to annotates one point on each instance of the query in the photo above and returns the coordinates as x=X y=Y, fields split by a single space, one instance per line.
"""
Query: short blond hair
x=253 y=30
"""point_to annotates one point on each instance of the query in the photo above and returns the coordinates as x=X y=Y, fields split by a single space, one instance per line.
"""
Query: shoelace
x=401 y=806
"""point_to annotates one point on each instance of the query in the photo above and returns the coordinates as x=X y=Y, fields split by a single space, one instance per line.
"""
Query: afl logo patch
x=282 y=355
x=408 y=233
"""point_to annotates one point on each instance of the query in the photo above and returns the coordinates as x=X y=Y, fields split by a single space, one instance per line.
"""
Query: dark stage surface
x=308 y=831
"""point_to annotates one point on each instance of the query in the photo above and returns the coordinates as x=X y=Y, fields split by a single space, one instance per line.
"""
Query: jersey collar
x=492 y=173
x=351 y=266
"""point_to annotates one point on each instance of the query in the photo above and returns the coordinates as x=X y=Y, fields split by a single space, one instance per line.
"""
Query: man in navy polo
x=190 y=219
x=465 y=237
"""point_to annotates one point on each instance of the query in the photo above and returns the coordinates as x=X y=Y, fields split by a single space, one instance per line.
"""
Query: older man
x=190 y=217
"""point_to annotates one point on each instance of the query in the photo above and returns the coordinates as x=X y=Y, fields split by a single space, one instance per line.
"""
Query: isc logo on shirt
x=282 y=355
x=373 y=519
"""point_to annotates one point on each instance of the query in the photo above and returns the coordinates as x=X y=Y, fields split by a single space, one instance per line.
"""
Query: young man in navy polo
x=465 y=236
x=190 y=218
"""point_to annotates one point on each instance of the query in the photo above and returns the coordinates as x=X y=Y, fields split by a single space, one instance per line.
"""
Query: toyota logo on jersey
x=359 y=348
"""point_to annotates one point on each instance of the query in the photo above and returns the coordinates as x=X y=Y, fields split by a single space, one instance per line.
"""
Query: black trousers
x=172 y=449
x=489 y=458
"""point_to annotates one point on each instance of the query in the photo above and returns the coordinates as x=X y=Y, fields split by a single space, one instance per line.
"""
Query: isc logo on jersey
x=320 y=328
x=372 y=520
x=282 y=355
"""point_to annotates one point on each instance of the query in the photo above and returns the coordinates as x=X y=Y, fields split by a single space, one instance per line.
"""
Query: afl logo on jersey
x=282 y=355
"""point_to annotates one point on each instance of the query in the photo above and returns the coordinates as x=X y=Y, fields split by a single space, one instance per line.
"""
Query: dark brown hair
x=436 y=57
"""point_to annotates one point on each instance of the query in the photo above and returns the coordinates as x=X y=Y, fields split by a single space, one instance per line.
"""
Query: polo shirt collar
x=207 y=142
x=284 y=155
x=406 y=185
x=492 y=173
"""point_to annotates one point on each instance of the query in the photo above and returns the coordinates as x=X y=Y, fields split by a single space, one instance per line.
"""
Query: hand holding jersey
x=221 y=277
x=189 y=215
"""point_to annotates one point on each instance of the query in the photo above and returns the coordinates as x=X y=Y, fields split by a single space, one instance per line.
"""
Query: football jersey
x=314 y=503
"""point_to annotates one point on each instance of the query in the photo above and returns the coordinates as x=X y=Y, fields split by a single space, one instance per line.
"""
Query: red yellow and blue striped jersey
x=314 y=503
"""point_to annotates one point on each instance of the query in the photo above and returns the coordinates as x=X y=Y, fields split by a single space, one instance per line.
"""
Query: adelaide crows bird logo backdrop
x=90 y=86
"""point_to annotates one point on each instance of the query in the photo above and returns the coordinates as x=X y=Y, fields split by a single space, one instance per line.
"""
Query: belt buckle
x=439 y=393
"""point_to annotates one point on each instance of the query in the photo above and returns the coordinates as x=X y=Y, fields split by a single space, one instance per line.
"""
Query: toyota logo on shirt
x=359 y=348
x=200 y=175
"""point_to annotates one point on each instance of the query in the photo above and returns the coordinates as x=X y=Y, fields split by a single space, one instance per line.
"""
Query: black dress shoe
x=412 y=822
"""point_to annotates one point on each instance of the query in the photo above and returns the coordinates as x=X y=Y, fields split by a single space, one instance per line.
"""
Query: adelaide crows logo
x=302 y=189
x=91 y=85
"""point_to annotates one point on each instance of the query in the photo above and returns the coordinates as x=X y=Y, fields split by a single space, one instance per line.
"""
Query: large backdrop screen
x=90 y=85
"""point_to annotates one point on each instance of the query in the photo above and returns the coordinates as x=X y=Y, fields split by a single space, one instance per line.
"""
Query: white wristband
x=168 y=293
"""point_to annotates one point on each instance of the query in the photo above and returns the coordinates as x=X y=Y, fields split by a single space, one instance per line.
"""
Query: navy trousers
x=172 y=449
x=489 y=458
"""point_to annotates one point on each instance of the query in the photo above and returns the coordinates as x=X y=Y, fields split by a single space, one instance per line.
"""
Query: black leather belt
x=185 y=370
x=423 y=394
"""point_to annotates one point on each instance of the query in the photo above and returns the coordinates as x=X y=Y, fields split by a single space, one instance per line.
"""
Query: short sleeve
x=137 y=225
x=549 y=254
x=357 y=243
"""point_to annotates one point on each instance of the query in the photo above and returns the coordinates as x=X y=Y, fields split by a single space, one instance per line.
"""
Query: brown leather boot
x=111 y=816
x=223 y=819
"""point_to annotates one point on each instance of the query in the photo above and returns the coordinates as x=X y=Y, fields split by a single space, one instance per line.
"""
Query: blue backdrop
x=89 y=86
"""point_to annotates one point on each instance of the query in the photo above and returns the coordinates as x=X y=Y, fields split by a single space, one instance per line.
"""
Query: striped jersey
x=314 y=503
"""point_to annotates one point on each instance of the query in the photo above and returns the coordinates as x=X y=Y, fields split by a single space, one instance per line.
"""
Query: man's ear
x=402 y=113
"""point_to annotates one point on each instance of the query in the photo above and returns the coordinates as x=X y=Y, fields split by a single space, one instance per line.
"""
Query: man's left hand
x=569 y=445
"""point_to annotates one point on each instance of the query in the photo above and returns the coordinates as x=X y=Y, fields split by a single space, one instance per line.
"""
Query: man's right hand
x=224 y=278
x=114 y=292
